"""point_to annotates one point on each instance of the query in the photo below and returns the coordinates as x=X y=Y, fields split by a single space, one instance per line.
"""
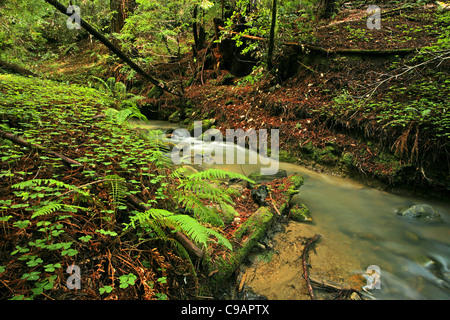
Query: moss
x=254 y=228
x=228 y=213
x=206 y=124
x=326 y=155
x=295 y=181
x=284 y=156
x=299 y=212
x=348 y=159
x=255 y=225
x=175 y=117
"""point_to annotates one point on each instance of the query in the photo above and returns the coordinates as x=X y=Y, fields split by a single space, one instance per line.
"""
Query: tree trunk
x=118 y=15
x=326 y=8
x=272 y=35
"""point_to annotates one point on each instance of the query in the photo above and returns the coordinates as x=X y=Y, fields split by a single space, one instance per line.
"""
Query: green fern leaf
x=52 y=207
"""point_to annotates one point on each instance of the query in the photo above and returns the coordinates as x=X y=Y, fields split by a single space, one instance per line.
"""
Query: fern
x=217 y=174
x=121 y=116
x=197 y=186
x=117 y=189
x=37 y=182
x=157 y=219
x=52 y=207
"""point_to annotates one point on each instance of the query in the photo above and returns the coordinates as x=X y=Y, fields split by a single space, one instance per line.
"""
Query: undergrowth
x=55 y=215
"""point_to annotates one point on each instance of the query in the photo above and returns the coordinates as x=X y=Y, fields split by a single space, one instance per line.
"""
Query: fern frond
x=117 y=189
x=120 y=90
x=110 y=83
x=52 y=207
x=201 y=211
x=217 y=174
x=123 y=115
x=156 y=219
x=37 y=182
x=200 y=234
x=103 y=85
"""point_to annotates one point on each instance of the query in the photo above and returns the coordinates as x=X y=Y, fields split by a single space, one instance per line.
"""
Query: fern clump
x=155 y=221
x=198 y=190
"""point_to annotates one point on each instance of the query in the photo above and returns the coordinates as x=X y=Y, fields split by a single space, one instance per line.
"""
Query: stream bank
x=360 y=226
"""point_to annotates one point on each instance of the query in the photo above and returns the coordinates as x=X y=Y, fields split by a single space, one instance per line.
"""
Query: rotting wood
x=19 y=141
x=304 y=257
x=116 y=50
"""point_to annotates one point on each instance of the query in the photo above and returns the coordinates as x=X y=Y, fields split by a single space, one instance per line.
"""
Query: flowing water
x=359 y=228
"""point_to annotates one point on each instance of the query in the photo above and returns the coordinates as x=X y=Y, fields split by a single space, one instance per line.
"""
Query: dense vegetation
x=80 y=180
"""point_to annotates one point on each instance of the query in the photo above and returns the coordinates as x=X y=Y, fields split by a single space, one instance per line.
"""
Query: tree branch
x=304 y=257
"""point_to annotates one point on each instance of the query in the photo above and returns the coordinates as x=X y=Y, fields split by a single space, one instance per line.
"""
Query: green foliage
x=157 y=28
x=155 y=220
x=28 y=27
x=127 y=280
x=196 y=189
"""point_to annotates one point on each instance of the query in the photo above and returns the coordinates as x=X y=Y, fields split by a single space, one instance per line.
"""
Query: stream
x=359 y=228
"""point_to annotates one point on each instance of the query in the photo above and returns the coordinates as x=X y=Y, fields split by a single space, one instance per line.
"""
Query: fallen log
x=13 y=68
x=19 y=141
x=331 y=50
x=114 y=49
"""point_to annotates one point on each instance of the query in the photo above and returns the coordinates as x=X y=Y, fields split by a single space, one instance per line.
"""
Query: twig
x=304 y=257
x=443 y=56
x=342 y=292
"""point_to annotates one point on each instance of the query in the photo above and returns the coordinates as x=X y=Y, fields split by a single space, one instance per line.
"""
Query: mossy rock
x=296 y=181
x=421 y=212
x=299 y=212
x=284 y=156
x=206 y=124
x=227 y=213
x=348 y=159
x=326 y=155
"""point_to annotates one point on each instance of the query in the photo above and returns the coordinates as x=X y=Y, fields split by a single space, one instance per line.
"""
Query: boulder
x=421 y=212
